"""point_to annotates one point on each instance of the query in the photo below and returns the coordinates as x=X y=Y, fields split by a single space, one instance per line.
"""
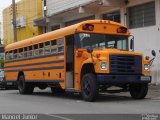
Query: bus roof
x=56 y=34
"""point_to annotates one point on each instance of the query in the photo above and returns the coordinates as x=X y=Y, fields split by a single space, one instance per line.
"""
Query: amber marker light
x=122 y=30
x=147 y=58
x=91 y=28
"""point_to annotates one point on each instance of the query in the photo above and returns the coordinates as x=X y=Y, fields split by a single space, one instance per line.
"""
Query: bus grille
x=125 y=64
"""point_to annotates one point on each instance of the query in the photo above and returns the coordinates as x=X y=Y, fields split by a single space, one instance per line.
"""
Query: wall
x=148 y=39
x=145 y=41
x=30 y=9
x=56 y=6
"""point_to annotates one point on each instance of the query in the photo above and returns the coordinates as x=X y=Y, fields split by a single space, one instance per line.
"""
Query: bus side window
x=15 y=54
x=41 y=49
x=7 y=56
x=25 y=52
x=47 y=48
x=30 y=51
x=36 y=51
x=53 y=46
x=60 y=45
x=20 y=54
x=10 y=55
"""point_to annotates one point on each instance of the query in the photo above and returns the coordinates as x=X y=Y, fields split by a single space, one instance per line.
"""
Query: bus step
x=70 y=90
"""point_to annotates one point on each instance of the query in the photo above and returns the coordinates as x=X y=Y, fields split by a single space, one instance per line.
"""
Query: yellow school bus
x=88 y=57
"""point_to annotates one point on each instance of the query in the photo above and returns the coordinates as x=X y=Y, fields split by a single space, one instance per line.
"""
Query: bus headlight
x=103 y=65
x=146 y=67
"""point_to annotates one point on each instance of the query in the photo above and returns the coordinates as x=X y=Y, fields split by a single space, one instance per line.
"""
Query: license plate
x=145 y=78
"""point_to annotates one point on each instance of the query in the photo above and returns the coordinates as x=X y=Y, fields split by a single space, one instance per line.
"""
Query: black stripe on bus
x=41 y=63
x=47 y=81
x=35 y=57
x=35 y=69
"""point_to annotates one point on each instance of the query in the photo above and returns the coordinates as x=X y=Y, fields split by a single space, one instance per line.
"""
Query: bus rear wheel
x=139 y=91
x=23 y=87
x=89 y=87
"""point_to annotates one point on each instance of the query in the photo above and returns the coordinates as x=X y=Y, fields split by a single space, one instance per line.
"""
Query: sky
x=4 y=4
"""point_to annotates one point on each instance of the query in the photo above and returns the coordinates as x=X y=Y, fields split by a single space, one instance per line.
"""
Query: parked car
x=2 y=79
x=4 y=84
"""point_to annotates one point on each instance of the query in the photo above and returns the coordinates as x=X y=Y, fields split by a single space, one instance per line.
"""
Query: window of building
x=45 y=29
x=55 y=27
x=47 y=48
x=113 y=16
x=41 y=49
x=142 y=15
x=53 y=46
x=44 y=2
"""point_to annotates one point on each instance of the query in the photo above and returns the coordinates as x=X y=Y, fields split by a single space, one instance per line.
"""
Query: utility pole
x=14 y=21
x=0 y=34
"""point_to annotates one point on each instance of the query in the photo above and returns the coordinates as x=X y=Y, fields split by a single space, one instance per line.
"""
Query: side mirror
x=90 y=50
x=153 y=53
x=132 y=43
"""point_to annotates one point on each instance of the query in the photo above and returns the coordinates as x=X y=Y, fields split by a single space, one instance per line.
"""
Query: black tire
x=23 y=87
x=42 y=87
x=139 y=91
x=89 y=87
x=6 y=88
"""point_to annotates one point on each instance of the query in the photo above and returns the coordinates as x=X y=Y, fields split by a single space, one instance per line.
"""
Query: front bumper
x=118 y=79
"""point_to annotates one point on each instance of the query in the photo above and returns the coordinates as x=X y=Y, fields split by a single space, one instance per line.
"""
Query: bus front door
x=70 y=62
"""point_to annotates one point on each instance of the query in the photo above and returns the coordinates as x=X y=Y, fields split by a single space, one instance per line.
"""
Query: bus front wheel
x=23 y=87
x=89 y=87
x=139 y=91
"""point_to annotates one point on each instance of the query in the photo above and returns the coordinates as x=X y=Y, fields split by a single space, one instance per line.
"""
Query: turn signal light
x=98 y=55
x=88 y=27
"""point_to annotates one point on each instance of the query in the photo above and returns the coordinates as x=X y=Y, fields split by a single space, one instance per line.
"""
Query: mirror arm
x=151 y=61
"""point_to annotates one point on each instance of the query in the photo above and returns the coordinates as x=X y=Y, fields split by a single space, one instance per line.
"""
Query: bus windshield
x=103 y=41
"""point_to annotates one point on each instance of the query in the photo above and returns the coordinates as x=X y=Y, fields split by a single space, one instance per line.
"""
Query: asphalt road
x=50 y=105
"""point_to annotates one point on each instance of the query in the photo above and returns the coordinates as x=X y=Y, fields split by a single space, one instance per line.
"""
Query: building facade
x=26 y=12
x=140 y=16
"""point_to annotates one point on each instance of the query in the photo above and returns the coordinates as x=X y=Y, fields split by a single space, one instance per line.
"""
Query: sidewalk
x=154 y=92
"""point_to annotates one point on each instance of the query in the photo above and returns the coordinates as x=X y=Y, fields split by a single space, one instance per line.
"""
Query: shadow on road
x=71 y=96
x=103 y=97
